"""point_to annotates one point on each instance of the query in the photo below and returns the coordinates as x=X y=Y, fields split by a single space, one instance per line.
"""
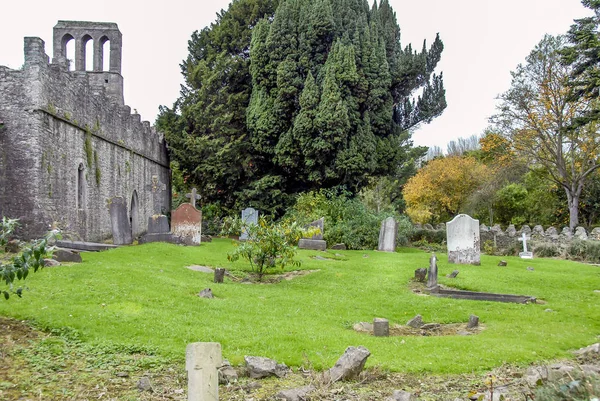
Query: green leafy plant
x=7 y=228
x=32 y=257
x=268 y=246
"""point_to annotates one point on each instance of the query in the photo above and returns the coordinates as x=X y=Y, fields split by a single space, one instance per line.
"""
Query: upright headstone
x=157 y=188
x=121 y=228
x=463 y=241
x=387 y=235
x=249 y=216
x=158 y=231
x=202 y=361
x=186 y=223
x=432 y=274
x=315 y=242
x=525 y=254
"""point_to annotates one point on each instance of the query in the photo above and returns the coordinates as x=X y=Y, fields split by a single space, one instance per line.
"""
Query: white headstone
x=387 y=235
x=525 y=254
x=462 y=234
x=249 y=216
x=202 y=361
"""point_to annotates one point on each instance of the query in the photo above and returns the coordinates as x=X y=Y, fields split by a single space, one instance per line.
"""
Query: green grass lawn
x=143 y=296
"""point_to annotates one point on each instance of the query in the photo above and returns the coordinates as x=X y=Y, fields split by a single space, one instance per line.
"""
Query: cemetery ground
x=126 y=313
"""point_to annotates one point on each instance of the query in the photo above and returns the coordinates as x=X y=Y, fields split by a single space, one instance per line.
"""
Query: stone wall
x=67 y=148
x=509 y=238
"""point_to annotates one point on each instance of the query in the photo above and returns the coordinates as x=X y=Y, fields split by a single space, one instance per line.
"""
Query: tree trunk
x=573 y=201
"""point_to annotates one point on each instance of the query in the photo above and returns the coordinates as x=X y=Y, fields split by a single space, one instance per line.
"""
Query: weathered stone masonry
x=68 y=144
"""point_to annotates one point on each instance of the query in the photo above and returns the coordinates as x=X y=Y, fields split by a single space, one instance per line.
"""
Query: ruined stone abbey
x=69 y=145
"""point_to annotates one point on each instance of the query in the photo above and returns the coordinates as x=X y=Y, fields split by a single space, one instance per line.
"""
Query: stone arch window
x=104 y=53
x=68 y=50
x=81 y=186
x=87 y=47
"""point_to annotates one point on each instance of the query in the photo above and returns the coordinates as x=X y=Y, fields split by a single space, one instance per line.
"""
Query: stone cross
x=524 y=239
x=525 y=254
x=157 y=188
x=193 y=197
x=202 y=361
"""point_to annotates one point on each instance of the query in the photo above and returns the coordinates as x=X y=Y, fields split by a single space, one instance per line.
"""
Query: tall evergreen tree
x=320 y=95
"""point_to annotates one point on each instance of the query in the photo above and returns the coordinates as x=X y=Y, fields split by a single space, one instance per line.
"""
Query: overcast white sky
x=484 y=40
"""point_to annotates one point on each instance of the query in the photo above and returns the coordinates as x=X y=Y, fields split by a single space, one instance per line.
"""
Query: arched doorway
x=134 y=215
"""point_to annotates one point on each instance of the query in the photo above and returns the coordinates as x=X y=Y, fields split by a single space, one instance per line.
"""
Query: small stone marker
x=187 y=224
x=65 y=255
x=121 y=228
x=502 y=263
x=206 y=293
x=249 y=216
x=381 y=327
x=421 y=274
x=219 y=274
x=530 y=268
x=202 y=361
x=193 y=197
x=432 y=276
x=144 y=384
x=415 y=322
x=473 y=322
x=525 y=254
x=387 y=235
x=462 y=234
x=453 y=274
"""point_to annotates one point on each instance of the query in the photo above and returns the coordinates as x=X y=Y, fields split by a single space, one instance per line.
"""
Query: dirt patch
x=430 y=329
x=252 y=278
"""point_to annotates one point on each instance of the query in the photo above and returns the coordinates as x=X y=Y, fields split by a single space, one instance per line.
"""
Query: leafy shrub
x=268 y=245
x=588 y=251
x=7 y=227
x=431 y=236
x=429 y=246
x=32 y=257
x=489 y=248
x=347 y=220
x=546 y=250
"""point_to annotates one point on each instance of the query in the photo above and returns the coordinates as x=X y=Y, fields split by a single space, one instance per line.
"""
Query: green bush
x=347 y=220
x=585 y=251
x=546 y=250
x=431 y=236
x=7 y=227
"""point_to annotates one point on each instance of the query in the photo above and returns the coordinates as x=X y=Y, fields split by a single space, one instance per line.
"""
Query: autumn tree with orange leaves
x=441 y=188
x=536 y=116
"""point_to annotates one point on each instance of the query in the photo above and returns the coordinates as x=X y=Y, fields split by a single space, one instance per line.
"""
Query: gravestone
x=381 y=327
x=432 y=274
x=463 y=241
x=121 y=228
x=387 y=235
x=219 y=274
x=158 y=231
x=157 y=188
x=202 y=361
x=316 y=242
x=249 y=216
x=421 y=274
x=525 y=254
x=186 y=222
